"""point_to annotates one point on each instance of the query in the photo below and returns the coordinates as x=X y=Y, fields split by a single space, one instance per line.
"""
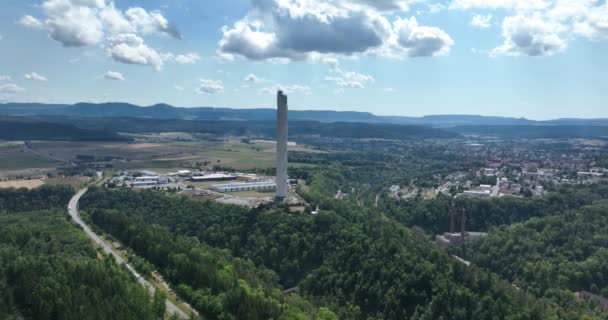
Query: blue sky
x=538 y=59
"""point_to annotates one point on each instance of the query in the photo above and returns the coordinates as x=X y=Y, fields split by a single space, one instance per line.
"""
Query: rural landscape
x=462 y=221
x=303 y=160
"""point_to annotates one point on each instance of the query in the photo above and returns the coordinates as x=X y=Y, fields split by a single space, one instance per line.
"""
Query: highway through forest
x=73 y=211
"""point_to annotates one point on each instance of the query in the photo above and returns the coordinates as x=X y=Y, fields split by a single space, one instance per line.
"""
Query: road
x=73 y=211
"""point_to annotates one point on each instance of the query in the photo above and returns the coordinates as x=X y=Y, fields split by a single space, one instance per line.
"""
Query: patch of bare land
x=29 y=184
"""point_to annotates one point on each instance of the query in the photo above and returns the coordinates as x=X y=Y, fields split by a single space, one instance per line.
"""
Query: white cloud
x=73 y=23
x=389 y=90
x=421 y=41
x=531 y=36
x=309 y=29
x=78 y=23
x=115 y=21
x=389 y=5
x=481 y=21
x=10 y=88
x=352 y=80
x=287 y=89
x=113 y=75
x=500 y=4
x=188 y=58
x=208 y=86
x=253 y=78
x=5 y=78
x=590 y=22
x=179 y=88
x=436 y=7
x=31 y=22
x=130 y=49
x=542 y=27
x=151 y=22
x=34 y=77
x=296 y=29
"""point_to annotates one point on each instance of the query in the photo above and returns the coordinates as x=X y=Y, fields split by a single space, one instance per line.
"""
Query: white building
x=146 y=181
x=212 y=177
x=245 y=186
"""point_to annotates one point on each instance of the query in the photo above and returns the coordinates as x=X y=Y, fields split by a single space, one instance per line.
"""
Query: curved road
x=73 y=211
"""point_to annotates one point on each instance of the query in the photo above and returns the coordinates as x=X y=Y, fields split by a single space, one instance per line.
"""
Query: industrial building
x=145 y=181
x=453 y=238
x=282 y=132
x=245 y=186
x=212 y=177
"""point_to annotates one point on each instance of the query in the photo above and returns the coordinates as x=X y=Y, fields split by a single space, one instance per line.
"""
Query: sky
x=539 y=59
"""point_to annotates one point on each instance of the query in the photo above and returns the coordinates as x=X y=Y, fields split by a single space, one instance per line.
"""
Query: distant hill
x=262 y=128
x=164 y=111
x=534 y=131
x=20 y=129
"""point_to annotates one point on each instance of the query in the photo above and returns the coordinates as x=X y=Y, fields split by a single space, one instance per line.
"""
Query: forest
x=33 y=129
x=349 y=259
x=49 y=269
x=259 y=128
x=216 y=284
x=546 y=255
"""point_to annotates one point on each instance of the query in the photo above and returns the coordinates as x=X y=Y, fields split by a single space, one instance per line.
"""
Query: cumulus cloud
x=287 y=89
x=296 y=29
x=503 y=4
x=73 y=23
x=5 y=78
x=437 y=7
x=253 y=78
x=115 y=21
x=31 y=22
x=389 y=5
x=543 y=27
x=79 y=23
x=10 y=88
x=113 y=75
x=530 y=35
x=421 y=41
x=208 y=86
x=591 y=21
x=151 y=22
x=481 y=21
x=188 y=58
x=130 y=49
x=307 y=29
x=34 y=77
x=351 y=80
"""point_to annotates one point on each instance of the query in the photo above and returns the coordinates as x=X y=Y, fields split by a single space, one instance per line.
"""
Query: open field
x=163 y=156
x=35 y=183
x=14 y=156
x=29 y=184
x=38 y=158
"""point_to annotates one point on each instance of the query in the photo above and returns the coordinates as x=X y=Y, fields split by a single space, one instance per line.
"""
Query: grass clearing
x=29 y=184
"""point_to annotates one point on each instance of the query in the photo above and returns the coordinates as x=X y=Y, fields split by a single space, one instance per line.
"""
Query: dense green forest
x=547 y=254
x=347 y=258
x=30 y=129
x=215 y=283
x=50 y=270
x=44 y=197
x=483 y=214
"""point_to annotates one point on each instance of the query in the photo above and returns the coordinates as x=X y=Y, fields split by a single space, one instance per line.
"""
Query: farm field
x=29 y=184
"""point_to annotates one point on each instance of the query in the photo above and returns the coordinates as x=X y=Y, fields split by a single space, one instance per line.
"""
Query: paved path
x=73 y=211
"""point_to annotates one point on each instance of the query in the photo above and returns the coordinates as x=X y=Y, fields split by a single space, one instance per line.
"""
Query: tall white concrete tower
x=281 y=146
